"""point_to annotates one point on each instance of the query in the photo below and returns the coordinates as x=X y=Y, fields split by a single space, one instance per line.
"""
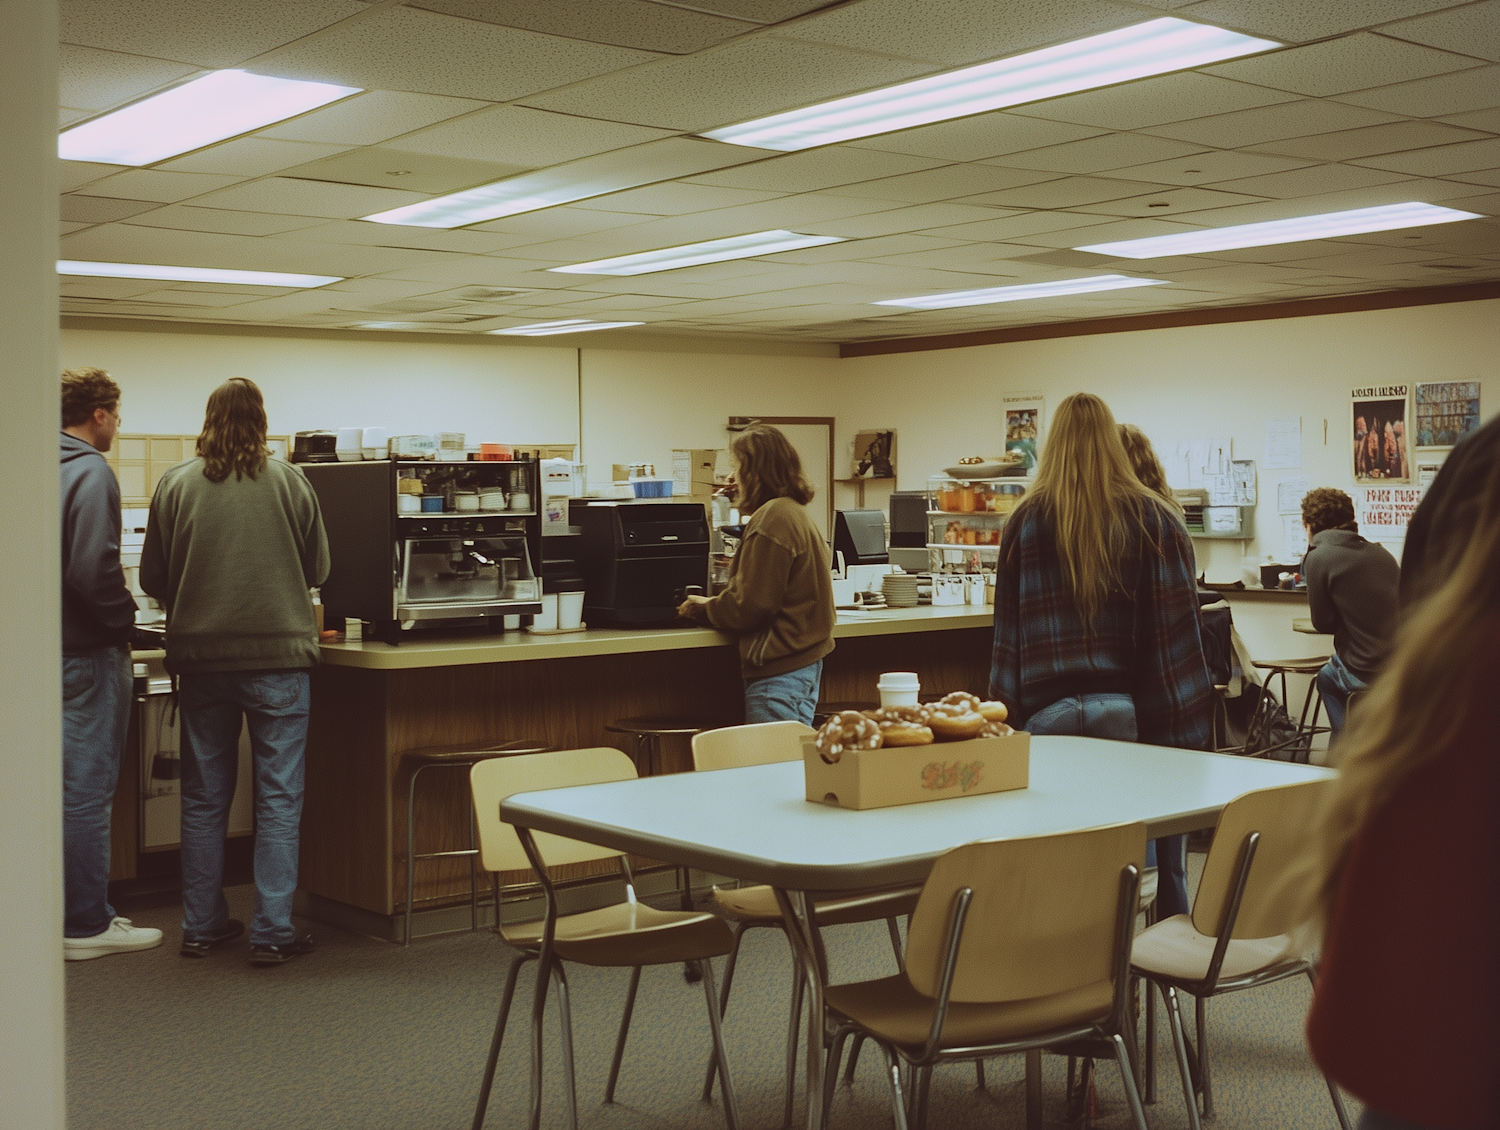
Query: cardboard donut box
x=881 y=778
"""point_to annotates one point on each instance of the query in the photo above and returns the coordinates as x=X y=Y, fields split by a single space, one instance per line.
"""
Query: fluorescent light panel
x=1386 y=217
x=1152 y=48
x=566 y=326
x=1021 y=292
x=191 y=274
x=692 y=254
x=217 y=106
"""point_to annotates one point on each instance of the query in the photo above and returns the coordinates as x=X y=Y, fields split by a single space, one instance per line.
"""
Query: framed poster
x=1379 y=431
x=1023 y=426
x=1446 y=411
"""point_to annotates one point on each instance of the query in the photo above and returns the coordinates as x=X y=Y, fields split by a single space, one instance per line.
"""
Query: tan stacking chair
x=762 y=743
x=628 y=934
x=1015 y=945
x=1237 y=936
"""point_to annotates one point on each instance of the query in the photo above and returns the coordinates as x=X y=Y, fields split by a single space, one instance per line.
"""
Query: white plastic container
x=570 y=610
x=374 y=442
x=546 y=619
x=899 y=688
x=350 y=445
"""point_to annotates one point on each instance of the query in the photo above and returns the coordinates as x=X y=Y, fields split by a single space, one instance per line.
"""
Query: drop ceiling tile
x=1210 y=167
x=1018 y=229
x=951 y=32
x=1307 y=182
x=620 y=302
x=481 y=270
x=94 y=80
x=932 y=185
x=861 y=249
x=1442 y=160
x=66 y=228
x=251 y=157
x=1107 y=233
x=206 y=35
x=975 y=139
x=795 y=213
x=75 y=174
x=1337 y=66
x=129 y=243
x=308 y=198
x=188 y=218
x=1477 y=89
x=1065 y=192
x=358 y=233
x=373 y=117
x=66 y=116
x=371 y=291
x=81 y=286
x=1298 y=22
x=1480 y=176
x=898 y=220
x=1485 y=203
x=744 y=79
x=556 y=223
x=523 y=136
x=1393 y=137
x=1100 y=154
x=296 y=253
x=1174 y=202
x=199 y=298
x=1487 y=120
x=1473 y=29
x=99 y=210
x=623 y=23
x=382 y=167
x=675 y=199
x=162 y=187
x=815 y=169
x=399 y=48
x=1272 y=123
x=1156 y=101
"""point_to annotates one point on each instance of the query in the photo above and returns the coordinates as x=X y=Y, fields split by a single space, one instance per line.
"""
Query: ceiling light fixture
x=1019 y=293
x=1152 y=48
x=191 y=274
x=219 y=105
x=566 y=326
x=692 y=254
x=1328 y=225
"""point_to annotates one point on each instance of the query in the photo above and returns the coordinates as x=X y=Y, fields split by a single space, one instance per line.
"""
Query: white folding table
x=755 y=824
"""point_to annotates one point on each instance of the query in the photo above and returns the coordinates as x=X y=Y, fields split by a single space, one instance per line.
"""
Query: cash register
x=638 y=558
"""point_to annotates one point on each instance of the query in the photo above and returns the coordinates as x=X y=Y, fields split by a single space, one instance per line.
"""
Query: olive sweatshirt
x=780 y=595
x=97 y=609
x=232 y=563
x=1351 y=592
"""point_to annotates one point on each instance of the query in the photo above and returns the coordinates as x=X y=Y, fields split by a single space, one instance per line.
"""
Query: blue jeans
x=1336 y=682
x=1113 y=716
x=276 y=705
x=96 y=713
x=792 y=697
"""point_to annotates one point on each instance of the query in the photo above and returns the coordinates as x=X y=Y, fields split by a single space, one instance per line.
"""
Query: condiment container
x=899 y=688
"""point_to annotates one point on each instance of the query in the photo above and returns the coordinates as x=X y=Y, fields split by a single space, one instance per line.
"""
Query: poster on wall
x=1023 y=427
x=874 y=455
x=1446 y=412
x=1383 y=512
x=1379 y=417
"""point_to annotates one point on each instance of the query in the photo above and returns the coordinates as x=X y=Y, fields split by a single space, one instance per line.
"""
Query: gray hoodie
x=1351 y=592
x=97 y=609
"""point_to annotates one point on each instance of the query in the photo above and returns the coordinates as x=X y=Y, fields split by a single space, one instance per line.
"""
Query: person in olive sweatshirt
x=98 y=615
x=234 y=542
x=779 y=600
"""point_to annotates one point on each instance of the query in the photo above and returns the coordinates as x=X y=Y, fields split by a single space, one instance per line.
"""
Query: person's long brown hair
x=1146 y=465
x=1086 y=483
x=234 y=431
x=1415 y=708
x=767 y=467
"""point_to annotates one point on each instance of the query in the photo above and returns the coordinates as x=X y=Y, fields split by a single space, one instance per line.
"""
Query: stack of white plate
x=900 y=590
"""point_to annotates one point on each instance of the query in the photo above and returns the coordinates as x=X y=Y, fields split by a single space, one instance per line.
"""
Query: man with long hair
x=1097 y=628
x=235 y=541
x=98 y=614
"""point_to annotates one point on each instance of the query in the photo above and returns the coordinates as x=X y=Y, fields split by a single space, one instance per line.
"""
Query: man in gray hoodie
x=98 y=615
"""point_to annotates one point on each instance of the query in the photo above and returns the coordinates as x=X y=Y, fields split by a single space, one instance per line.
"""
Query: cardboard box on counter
x=881 y=778
x=694 y=470
x=544 y=450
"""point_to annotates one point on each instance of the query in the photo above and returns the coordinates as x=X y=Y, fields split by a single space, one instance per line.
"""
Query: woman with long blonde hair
x=1405 y=1011
x=1096 y=611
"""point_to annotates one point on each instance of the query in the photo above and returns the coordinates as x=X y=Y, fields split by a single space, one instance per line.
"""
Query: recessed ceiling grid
x=1402 y=105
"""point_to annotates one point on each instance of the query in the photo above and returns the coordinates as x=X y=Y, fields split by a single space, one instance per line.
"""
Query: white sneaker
x=121 y=937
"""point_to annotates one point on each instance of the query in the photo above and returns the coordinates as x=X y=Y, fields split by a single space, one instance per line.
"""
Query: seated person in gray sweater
x=1352 y=589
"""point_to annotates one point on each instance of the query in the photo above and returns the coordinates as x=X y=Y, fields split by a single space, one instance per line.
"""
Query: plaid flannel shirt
x=1146 y=641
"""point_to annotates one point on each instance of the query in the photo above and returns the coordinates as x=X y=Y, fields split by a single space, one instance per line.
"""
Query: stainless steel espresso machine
x=417 y=545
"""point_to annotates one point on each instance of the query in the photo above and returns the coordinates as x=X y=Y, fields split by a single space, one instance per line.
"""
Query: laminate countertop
x=519 y=646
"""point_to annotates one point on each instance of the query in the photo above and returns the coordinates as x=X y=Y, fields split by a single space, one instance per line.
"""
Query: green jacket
x=232 y=562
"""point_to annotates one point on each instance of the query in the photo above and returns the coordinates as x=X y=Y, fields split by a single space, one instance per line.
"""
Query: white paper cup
x=570 y=609
x=899 y=688
x=546 y=619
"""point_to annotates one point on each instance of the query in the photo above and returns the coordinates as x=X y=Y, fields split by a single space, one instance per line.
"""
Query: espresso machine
x=639 y=558
x=419 y=545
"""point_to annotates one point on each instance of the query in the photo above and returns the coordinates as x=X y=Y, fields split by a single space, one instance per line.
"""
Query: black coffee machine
x=639 y=558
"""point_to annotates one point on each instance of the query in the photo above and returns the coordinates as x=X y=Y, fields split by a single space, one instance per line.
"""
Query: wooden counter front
x=373 y=703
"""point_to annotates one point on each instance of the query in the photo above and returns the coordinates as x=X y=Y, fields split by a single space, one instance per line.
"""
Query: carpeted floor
x=364 y=1035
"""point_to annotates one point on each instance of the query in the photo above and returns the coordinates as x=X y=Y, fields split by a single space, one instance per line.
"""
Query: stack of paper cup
x=899 y=688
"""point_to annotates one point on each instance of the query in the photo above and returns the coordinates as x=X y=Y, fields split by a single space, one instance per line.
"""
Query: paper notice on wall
x=1383 y=512
x=1293 y=537
x=1193 y=463
x=1284 y=442
x=1222 y=519
x=1242 y=476
x=1220 y=490
x=1289 y=494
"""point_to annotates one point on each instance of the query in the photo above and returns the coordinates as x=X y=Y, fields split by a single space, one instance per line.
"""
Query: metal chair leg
x=411 y=847
x=1202 y=1049
x=1034 y=1089
x=482 y=1106
x=566 y=1017
x=793 y=1034
x=979 y=1075
x=924 y=1092
x=831 y=1073
x=614 y=1067
x=726 y=1086
x=1149 y=1059
x=1127 y=1075
x=734 y=956
x=1179 y=1044
x=898 y=1098
x=859 y=1042
x=896 y=947
x=538 y=1011
x=473 y=874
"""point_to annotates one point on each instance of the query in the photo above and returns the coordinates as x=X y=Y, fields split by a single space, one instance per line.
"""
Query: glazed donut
x=915 y=715
x=993 y=711
x=996 y=730
x=953 y=722
x=962 y=698
x=846 y=730
x=905 y=733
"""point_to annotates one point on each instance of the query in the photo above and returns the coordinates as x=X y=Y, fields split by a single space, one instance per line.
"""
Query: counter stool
x=452 y=757
x=825 y=710
x=649 y=729
x=1313 y=699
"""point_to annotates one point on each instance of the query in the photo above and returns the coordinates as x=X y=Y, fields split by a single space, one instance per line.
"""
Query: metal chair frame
x=1300 y=745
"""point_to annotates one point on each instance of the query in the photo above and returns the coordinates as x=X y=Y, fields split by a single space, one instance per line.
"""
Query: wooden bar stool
x=649 y=729
x=1313 y=700
x=452 y=757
